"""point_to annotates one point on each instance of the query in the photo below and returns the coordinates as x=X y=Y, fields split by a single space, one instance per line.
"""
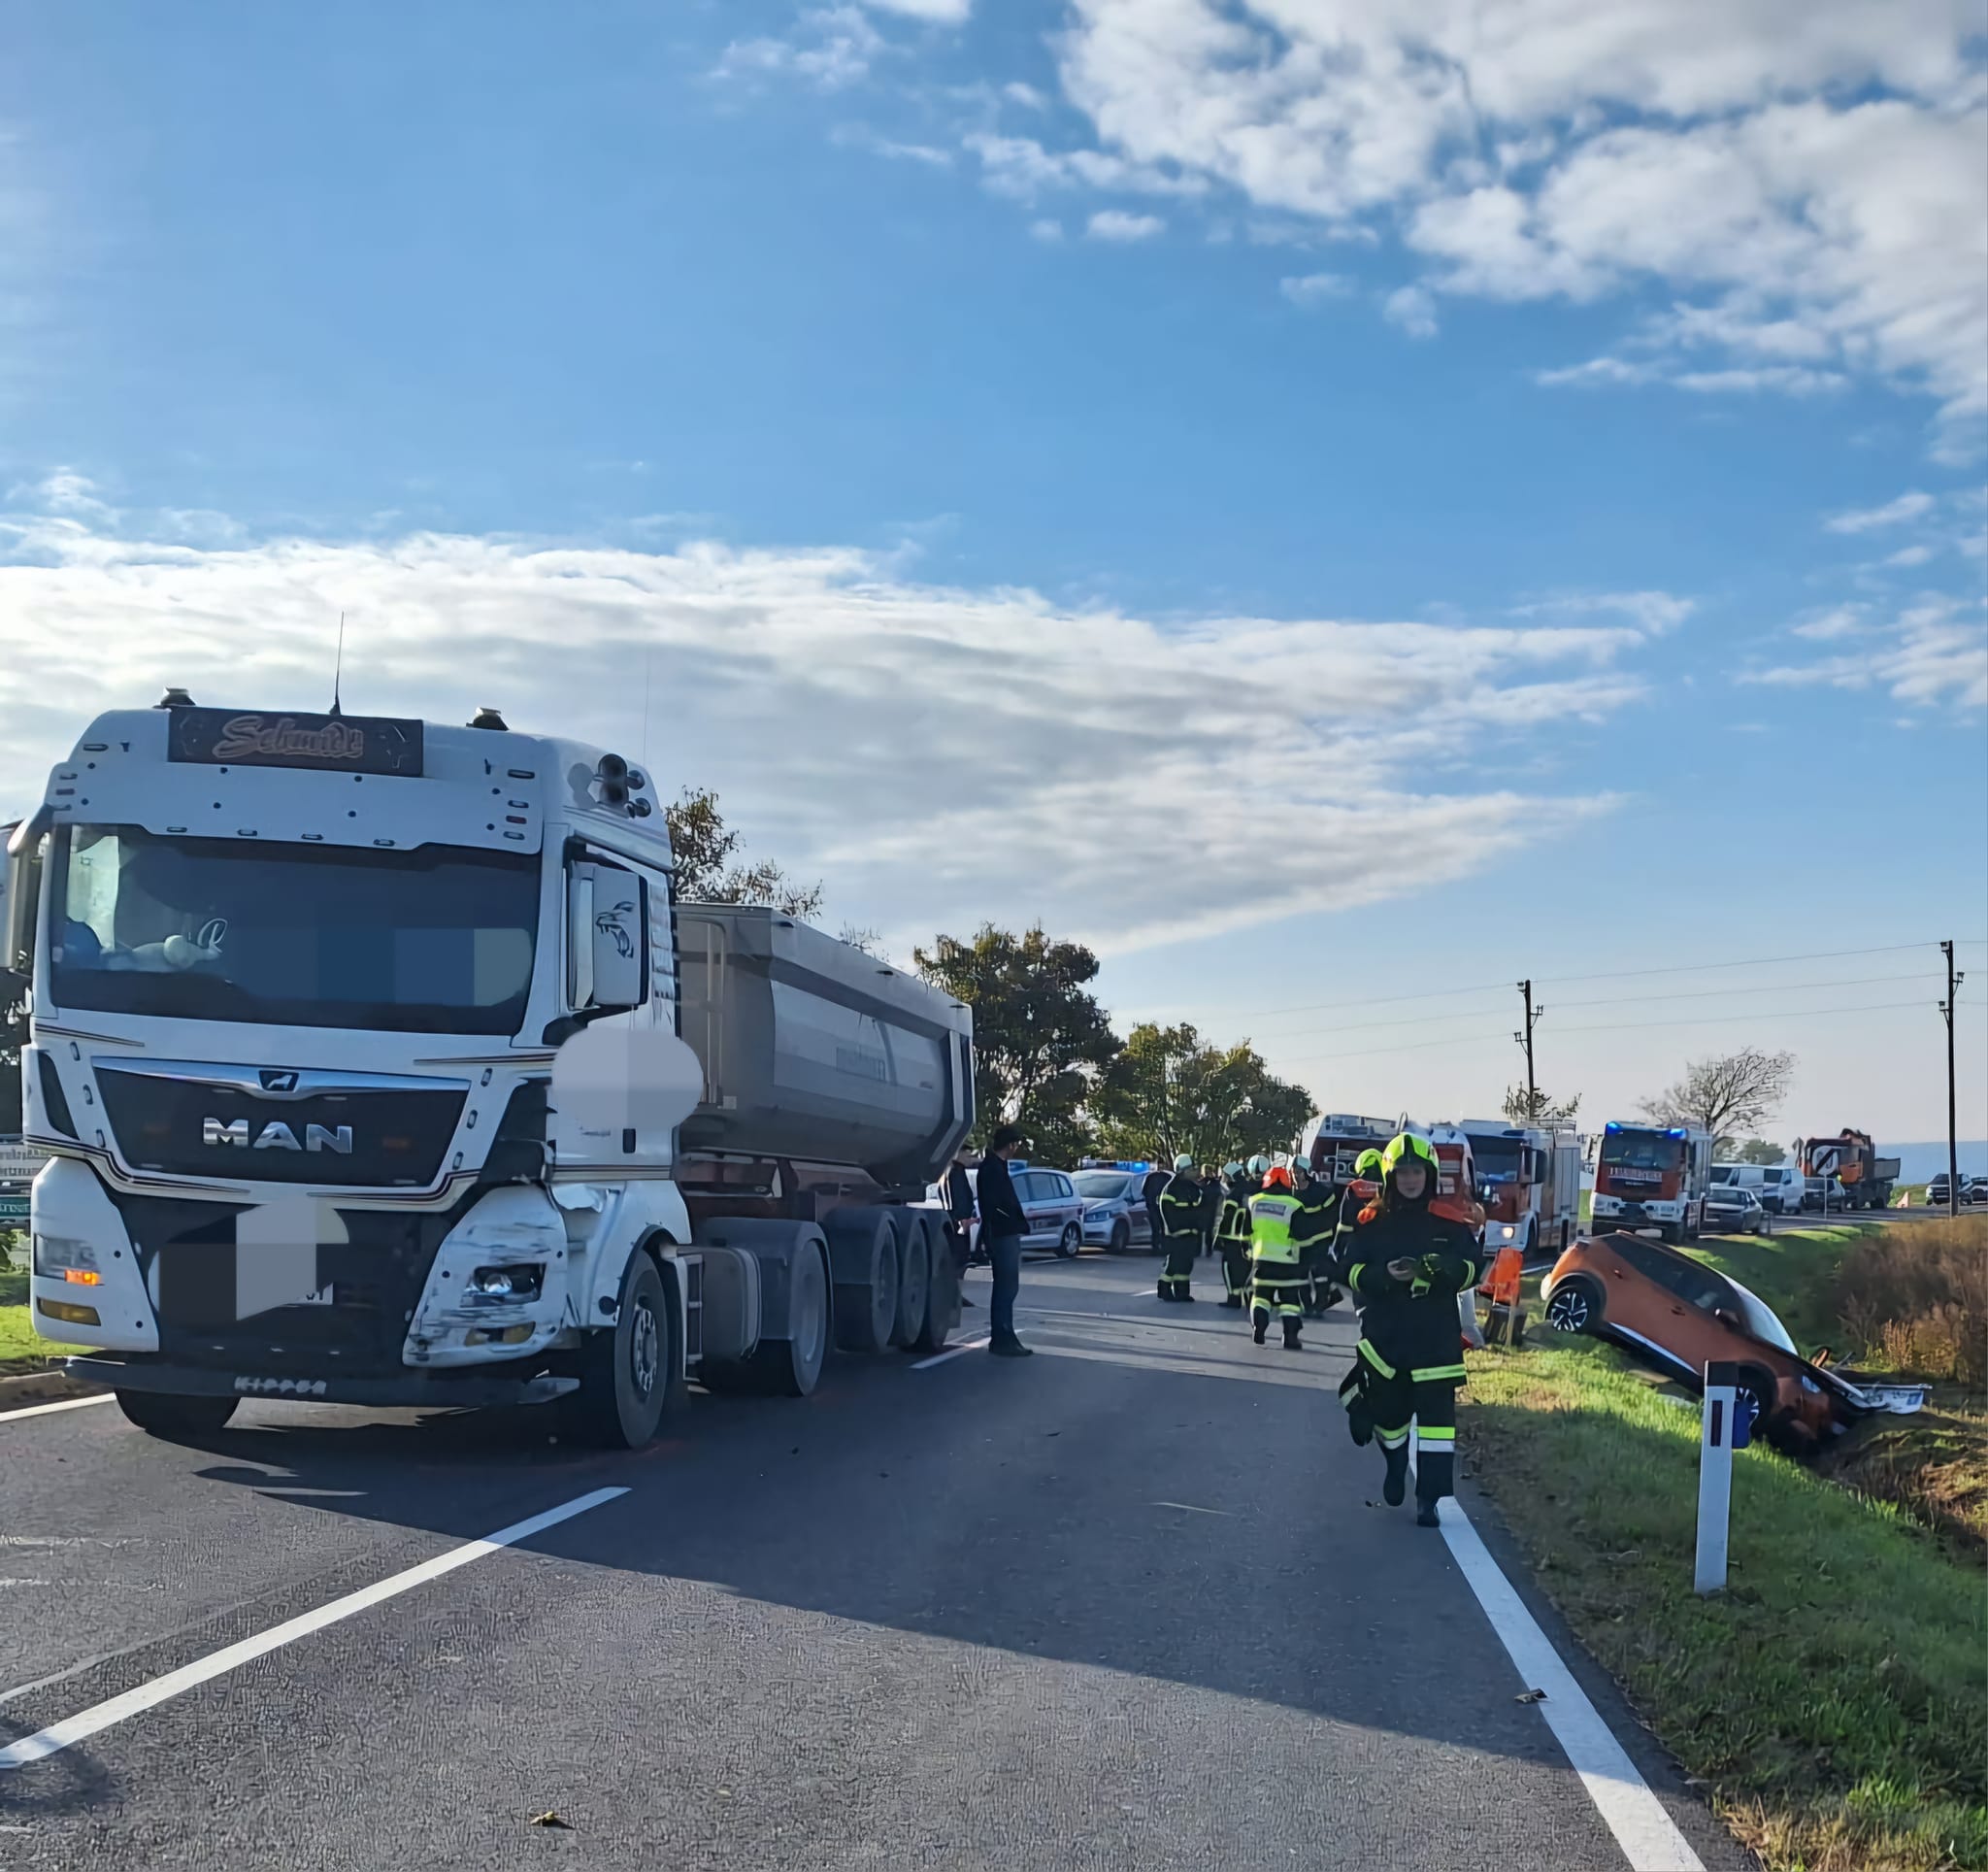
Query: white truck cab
x=377 y=1063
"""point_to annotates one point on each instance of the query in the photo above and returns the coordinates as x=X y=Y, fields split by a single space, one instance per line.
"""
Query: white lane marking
x=64 y=1404
x=1643 y=1826
x=951 y=1351
x=101 y=1716
x=1188 y=1507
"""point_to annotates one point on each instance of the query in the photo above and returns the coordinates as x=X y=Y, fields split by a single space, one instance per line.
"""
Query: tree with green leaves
x=1539 y=1109
x=1040 y=1038
x=1753 y=1151
x=1169 y=1091
x=710 y=869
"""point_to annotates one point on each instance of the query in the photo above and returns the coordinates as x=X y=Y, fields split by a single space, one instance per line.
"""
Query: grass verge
x=21 y=1348
x=1834 y=1700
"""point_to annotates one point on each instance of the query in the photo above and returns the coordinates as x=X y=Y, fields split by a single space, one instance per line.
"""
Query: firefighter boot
x=1394 y=1487
x=1425 y=1513
x=1292 y=1328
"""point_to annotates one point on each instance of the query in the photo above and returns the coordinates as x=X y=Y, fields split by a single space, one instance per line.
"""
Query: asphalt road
x=1131 y=1603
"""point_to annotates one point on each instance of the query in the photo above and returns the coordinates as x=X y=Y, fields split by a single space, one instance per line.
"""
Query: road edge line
x=60 y=1404
x=1643 y=1826
x=951 y=1351
x=73 y=1729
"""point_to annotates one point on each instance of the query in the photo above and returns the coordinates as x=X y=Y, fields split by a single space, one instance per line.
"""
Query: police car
x=1114 y=1211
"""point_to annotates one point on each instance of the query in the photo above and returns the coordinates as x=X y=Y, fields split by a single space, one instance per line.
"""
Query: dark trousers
x=1277 y=1288
x=1235 y=1268
x=1005 y=1252
x=1318 y=1287
x=1383 y=1404
x=956 y=1240
x=1177 y=1278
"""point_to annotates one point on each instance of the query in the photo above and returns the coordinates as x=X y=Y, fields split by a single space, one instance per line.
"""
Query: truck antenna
x=338 y=667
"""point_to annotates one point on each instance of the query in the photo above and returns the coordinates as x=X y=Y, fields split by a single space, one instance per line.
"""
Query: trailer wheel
x=941 y=1293
x=627 y=1373
x=862 y=1248
x=176 y=1419
x=915 y=1260
x=791 y=1367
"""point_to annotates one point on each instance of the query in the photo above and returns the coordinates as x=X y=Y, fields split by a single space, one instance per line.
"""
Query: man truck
x=378 y=1062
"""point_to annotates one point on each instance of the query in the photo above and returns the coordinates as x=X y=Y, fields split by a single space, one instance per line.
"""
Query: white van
x=1779 y=1188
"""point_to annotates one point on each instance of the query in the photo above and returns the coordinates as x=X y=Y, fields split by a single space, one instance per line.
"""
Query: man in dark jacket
x=959 y=1218
x=1149 y=1189
x=1002 y=1224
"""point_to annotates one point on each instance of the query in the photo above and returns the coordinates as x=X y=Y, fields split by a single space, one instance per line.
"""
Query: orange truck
x=1863 y=1176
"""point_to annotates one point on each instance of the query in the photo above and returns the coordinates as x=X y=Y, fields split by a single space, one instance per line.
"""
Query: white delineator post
x=1716 y=1474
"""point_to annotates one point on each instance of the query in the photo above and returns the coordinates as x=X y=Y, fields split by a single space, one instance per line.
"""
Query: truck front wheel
x=626 y=1372
x=161 y=1414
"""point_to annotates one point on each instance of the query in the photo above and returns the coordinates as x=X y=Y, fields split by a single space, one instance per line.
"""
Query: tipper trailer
x=379 y=1063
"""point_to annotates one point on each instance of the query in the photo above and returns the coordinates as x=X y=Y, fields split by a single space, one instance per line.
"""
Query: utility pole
x=1525 y=1040
x=1953 y=1149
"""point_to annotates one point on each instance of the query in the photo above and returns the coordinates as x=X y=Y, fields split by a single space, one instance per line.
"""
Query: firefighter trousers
x=1276 y=1289
x=1381 y=1401
x=1234 y=1268
x=1177 y=1277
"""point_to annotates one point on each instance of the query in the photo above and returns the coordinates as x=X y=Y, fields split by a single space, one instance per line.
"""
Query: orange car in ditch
x=1679 y=1315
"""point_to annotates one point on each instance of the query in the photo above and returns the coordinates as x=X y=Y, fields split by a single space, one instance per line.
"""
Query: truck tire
x=627 y=1373
x=176 y=1419
x=791 y=1367
x=862 y=1250
x=942 y=1294
x=913 y=1276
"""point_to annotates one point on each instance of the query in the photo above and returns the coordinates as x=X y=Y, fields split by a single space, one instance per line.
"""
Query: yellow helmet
x=1406 y=1144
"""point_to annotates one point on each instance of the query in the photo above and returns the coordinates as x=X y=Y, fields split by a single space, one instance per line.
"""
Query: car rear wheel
x=1576 y=1306
x=1069 y=1242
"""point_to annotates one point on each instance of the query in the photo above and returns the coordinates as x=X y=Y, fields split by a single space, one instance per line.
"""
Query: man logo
x=274 y=1080
x=277 y=1136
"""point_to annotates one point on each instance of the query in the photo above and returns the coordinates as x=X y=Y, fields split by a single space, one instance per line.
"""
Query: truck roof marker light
x=1612 y=1125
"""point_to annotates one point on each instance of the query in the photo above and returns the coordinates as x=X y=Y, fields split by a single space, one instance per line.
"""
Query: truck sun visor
x=354 y=743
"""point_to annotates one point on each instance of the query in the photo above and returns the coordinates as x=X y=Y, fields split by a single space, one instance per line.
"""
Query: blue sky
x=1326 y=503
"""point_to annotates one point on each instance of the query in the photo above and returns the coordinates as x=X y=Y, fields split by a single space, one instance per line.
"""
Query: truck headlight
x=63 y=1254
x=511 y=1285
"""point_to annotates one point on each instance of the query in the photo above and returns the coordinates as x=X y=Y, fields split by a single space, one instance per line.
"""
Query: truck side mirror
x=21 y=893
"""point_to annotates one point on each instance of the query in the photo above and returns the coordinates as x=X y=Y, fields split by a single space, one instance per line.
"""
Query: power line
x=1607 y=975
x=1614 y=1026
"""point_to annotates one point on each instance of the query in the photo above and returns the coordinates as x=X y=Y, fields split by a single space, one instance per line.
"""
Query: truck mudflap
x=414 y=1390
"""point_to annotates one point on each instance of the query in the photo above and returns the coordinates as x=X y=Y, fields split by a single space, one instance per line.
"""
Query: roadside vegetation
x=21 y=1348
x=1833 y=1701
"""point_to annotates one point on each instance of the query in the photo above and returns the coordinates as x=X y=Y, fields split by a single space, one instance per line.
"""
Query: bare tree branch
x=1728 y=1095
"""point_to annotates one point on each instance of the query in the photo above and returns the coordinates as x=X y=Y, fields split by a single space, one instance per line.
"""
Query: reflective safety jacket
x=1180 y=1206
x=1408 y=1325
x=1234 y=1227
x=1271 y=1219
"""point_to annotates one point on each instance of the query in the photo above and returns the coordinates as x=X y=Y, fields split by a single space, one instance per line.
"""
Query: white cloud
x=1813 y=179
x=1026 y=95
x=859 y=136
x=1653 y=612
x=819 y=691
x=1115 y=224
x=1841 y=620
x=1933 y=654
x=1413 y=309
x=1908 y=507
x=1313 y=290
x=831 y=47
x=939 y=12
x=64 y=492
x=1910 y=555
x=1022 y=168
x=1047 y=231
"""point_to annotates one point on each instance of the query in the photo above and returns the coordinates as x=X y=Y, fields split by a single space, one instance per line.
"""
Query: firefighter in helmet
x=1405 y=1267
x=1277 y=1276
x=1180 y=1207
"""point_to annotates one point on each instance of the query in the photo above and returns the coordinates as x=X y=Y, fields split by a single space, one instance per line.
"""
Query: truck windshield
x=436 y=940
x=1498 y=1160
x=1642 y=1151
